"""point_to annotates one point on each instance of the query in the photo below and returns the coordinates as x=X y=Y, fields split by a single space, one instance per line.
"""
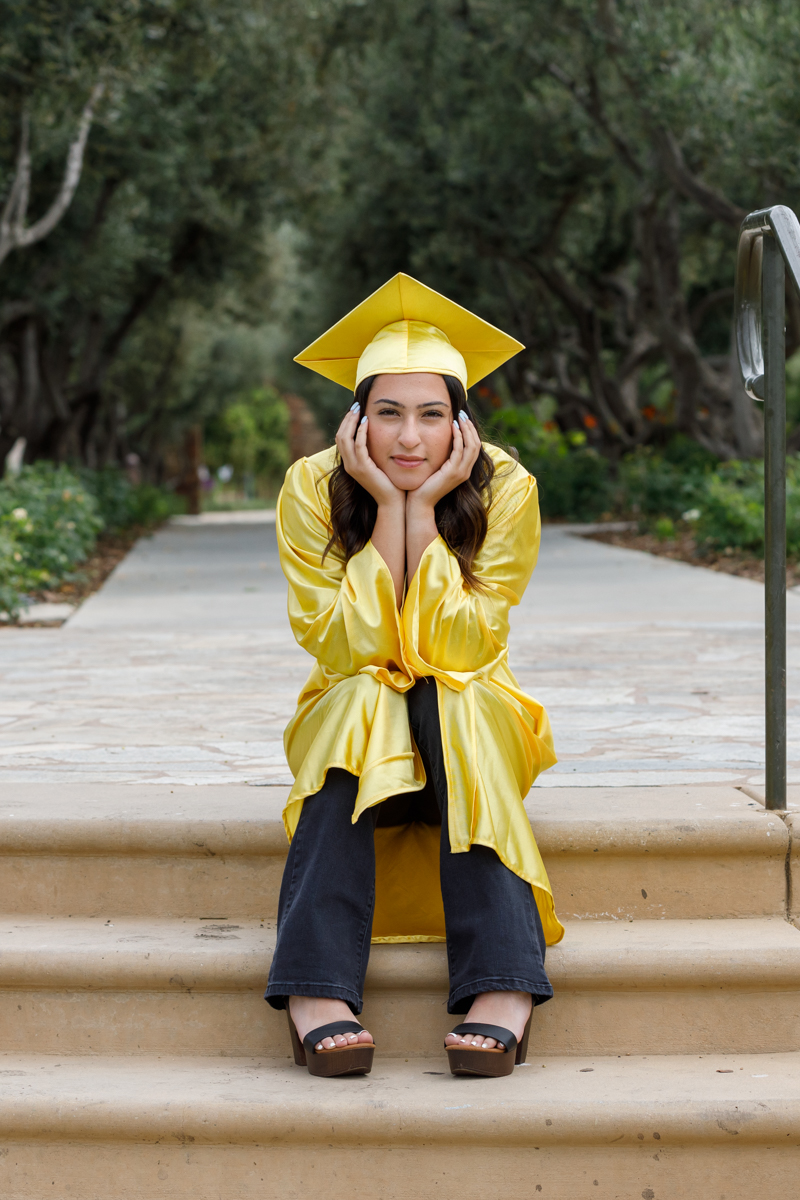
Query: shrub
x=573 y=479
x=50 y=517
x=121 y=504
x=53 y=521
x=731 y=508
x=12 y=576
x=651 y=485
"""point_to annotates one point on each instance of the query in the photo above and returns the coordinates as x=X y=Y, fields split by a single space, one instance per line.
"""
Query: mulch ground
x=685 y=549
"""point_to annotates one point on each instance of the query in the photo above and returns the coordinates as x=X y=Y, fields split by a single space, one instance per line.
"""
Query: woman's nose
x=409 y=434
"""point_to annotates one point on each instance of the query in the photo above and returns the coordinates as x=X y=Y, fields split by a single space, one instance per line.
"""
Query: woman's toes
x=364 y=1036
x=489 y=1044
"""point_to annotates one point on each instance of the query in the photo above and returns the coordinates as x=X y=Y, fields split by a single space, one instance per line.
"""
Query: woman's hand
x=351 y=439
x=456 y=470
x=388 y=534
x=421 y=527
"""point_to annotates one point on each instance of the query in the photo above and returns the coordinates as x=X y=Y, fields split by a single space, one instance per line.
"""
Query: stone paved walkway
x=183 y=668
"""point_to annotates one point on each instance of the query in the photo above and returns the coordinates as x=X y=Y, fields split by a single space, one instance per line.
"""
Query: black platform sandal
x=500 y=1060
x=355 y=1059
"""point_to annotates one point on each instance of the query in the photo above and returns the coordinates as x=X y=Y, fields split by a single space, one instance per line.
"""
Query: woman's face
x=410 y=430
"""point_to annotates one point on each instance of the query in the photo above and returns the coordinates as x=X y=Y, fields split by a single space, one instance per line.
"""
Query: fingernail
x=363 y=419
x=355 y=407
x=462 y=416
x=455 y=424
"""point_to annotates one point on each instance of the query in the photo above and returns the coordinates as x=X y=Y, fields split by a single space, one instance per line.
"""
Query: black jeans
x=495 y=941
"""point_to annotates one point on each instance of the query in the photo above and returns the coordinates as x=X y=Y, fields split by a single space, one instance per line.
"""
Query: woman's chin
x=408 y=479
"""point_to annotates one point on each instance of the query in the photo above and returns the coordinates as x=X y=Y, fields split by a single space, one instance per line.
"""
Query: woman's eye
x=387 y=412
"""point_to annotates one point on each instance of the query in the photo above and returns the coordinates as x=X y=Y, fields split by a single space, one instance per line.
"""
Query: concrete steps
x=138 y=1058
x=85 y=986
x=150 y=850
x=237 y=1129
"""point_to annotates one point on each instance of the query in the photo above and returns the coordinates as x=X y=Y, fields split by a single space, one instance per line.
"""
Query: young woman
x=404 y=548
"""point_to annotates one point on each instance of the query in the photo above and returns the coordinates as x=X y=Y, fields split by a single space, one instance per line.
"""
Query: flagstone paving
x=183 y=668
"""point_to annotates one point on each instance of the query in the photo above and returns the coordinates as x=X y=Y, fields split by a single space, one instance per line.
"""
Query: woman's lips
x=407 y=462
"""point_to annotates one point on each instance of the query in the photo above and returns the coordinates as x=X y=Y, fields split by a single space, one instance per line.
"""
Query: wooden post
x=194 y=452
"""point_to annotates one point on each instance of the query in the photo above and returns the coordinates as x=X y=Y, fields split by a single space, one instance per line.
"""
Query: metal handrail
x=768 y=239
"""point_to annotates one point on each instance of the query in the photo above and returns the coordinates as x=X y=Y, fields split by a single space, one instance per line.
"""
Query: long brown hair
x=460 y=515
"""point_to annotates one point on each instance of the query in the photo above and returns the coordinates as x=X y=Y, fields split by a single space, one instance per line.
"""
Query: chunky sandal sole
x=491 y=1064
x=342 y=1060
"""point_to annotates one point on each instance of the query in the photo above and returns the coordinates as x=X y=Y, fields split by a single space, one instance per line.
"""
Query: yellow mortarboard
x=406 y=327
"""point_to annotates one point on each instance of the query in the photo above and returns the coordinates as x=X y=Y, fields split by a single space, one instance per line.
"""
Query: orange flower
x=649 y=412
x=589 y=421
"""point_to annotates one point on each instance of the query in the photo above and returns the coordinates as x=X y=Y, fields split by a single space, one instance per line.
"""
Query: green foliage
x=573 y=479
x=50 y=517
x=251 y=435
x=183 y=170
x=49 y=523
x=651 y=484
x=731 y=512
x=53 y=517
x=121 y=505
x=678 y=486
x=731 y=509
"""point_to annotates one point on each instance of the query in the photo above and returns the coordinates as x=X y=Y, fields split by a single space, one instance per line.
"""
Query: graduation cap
x=406 y=327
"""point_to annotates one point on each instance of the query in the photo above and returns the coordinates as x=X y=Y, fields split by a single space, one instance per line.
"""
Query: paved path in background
x=183 y=668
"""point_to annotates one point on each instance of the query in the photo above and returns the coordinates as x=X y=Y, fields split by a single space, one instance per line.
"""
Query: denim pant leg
x=327 y=900
x=495 y=941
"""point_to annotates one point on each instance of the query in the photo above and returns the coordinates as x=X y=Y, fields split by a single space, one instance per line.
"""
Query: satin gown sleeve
x=452 y=632
x=345 y=617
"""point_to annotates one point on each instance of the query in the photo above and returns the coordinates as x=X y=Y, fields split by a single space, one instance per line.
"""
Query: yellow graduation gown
x=352 y=714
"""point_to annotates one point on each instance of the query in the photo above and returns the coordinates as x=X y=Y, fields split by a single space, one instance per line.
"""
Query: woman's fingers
x=345 y=432
x=457 y=451
x=348 y=423
x=472 y=443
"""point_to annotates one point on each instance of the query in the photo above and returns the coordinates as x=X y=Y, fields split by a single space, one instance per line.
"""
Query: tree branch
x=689 y=185
x=590 y=102
x=13 y=233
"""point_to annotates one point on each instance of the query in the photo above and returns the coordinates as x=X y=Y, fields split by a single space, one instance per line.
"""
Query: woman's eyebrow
x=422 y=404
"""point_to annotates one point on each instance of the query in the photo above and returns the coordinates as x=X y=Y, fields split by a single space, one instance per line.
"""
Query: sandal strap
x=330 y=1030
x=490 y=1031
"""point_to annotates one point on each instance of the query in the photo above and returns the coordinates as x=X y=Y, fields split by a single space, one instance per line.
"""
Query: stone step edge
x=601 y=961
x=206 y=838
x=663 y=1100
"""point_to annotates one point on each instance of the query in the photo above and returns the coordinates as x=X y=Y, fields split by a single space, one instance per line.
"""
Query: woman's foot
x=509 y=1009
x=309 y=1012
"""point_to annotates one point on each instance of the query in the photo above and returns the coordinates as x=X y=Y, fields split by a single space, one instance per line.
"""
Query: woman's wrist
x=393 y=504
x=419 y=509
